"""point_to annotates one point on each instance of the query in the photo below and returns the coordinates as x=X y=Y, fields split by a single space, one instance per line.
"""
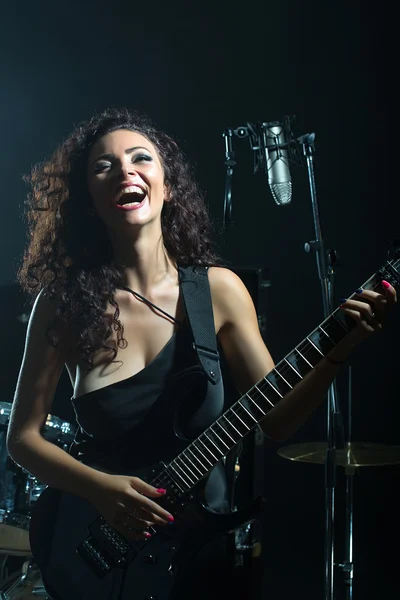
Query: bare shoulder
x=223 y=280
x=42 y=314
x=237 y=328
x=230 y=296
x=37 y=344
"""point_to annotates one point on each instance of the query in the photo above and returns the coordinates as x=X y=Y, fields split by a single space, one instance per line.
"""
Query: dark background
x=196 y=70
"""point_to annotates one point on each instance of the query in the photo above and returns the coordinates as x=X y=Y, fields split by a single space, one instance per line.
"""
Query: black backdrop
x=197 y=69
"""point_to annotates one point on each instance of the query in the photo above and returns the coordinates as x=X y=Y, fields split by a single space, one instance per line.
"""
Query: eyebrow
x=127 y=151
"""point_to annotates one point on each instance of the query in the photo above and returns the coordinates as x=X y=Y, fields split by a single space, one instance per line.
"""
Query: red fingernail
x=147 y=535
x=171 y=519
x=386 y=284
x=161 y=490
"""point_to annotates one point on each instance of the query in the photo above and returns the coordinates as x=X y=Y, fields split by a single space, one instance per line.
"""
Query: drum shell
x=19 y=490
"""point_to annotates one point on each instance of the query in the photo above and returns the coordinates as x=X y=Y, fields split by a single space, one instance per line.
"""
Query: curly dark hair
x=69 y=255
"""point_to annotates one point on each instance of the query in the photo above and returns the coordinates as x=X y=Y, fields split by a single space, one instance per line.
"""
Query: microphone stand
x=326 y=270
x=325 y=267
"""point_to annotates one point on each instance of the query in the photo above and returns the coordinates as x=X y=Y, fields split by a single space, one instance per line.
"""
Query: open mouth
x=130 y=196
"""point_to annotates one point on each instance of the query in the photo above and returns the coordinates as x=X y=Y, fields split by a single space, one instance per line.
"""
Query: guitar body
x=154 y=568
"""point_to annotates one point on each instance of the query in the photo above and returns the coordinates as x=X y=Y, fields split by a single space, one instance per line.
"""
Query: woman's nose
x=126 y=169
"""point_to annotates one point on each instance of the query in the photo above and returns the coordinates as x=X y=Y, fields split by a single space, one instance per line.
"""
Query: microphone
x=276 y=148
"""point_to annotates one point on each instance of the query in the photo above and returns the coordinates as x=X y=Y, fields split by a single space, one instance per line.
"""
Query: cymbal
x=355 y=454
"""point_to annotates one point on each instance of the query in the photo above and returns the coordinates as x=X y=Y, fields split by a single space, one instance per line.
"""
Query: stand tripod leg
x=3 y=567
x=329 y=525
x=348 y=566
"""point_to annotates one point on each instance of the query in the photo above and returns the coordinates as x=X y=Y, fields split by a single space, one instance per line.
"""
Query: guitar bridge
x=105 y=549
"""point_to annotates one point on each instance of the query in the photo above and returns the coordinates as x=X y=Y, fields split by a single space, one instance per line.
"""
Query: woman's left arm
x=249 y=359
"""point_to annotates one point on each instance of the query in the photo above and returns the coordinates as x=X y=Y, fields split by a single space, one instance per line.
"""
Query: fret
x=192 y=463
x=336 y=329
x=287 y=371
x=304 y=358
x=186 y=466
x=213 y=443
x=200 y=452
x=232 y=427
x=215 y=433
x=316 y=347
x=253 y=402
x=321 y=341
x=240 y=419
x=248 y=412
x=278 y=381
x=191 y=449
x=284 y=379
x=271 y=387
x=217 y=441
x=224 y=430
x=309 y=352
x=180 y=476
x=302 y=366
x=328 y=336
x=236 y=422
x=207 y=448
x=293 y=368
x=180 y=470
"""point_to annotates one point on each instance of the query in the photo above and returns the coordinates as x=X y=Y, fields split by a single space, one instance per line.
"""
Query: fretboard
x=201 y=455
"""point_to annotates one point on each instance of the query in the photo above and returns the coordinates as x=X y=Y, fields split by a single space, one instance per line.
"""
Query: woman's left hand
x=368 y=308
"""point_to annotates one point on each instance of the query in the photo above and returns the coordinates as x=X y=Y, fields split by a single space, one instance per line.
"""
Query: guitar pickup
x=93 y=556
x=105 y=549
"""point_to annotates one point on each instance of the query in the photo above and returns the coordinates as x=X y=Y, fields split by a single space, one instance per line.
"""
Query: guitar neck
x=200 y=456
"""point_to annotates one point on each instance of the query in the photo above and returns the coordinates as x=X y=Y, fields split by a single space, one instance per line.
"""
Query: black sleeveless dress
x=150 y=417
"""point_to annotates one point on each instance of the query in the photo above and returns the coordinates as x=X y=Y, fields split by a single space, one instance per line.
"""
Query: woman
x=115 y=218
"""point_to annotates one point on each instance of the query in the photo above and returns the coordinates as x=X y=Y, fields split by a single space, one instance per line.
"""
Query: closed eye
x=141 y=157
x=103 y=165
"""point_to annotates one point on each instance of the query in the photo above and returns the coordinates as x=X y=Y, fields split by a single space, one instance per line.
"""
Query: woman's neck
x=146 y=263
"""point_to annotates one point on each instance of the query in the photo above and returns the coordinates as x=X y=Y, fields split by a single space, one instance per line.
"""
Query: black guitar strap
x=197 y=300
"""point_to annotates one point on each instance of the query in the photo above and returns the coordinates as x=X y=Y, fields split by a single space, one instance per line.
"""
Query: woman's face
x=126 y=179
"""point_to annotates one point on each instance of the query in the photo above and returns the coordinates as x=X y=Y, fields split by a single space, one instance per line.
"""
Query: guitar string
x=262 y=387
x=238 y=410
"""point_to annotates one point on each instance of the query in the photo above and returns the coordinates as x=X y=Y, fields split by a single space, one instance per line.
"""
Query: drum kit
x=352 y=456
x=19 y=490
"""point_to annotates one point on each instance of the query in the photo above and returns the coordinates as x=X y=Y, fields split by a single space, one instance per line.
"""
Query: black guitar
x=81 y=557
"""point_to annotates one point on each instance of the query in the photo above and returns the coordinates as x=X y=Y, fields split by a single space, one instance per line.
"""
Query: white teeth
x=132 y=189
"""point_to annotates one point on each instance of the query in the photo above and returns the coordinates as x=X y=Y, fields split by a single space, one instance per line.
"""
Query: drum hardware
x=19 y=489
x=24 y=585
x=352 y=456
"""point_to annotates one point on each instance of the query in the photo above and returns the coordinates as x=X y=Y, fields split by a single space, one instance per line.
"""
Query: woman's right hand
x=127 y=504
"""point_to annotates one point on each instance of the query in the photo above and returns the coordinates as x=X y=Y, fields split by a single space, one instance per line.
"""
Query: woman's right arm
x=38 y=378
x=114 y=496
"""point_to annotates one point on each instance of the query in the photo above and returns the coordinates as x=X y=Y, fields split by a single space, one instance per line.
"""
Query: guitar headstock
x=390 y=271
